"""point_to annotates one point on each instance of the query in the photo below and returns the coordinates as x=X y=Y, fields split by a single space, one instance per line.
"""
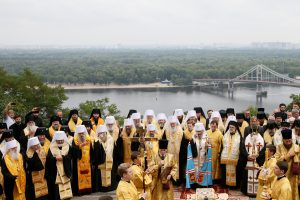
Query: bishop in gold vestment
x=36 y=161
x=174 y=135
x=58 y=167
x=105 y=152
x=14 y=175
x=126 y=135
x=112 y=127
x=82 y=161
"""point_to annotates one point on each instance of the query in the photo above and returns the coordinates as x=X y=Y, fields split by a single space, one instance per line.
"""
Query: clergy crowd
x=148 y=155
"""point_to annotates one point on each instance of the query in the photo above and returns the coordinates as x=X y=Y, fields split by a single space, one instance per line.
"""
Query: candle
x=267 y=156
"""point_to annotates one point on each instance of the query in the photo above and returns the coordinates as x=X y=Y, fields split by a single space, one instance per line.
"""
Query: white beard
x=14 y=155
x=31 y=128
x=199 y=144
x=173 y=129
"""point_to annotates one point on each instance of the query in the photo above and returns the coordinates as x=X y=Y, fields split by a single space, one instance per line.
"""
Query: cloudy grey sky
x=144 y=22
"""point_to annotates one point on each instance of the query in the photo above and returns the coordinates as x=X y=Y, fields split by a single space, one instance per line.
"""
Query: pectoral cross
x=248 y=146
x=259 y=146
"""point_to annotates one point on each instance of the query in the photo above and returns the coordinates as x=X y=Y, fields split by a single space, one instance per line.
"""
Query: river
x=167 y=99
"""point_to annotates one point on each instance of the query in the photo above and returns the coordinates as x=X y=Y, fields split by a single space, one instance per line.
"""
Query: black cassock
x=242 y=162
x=51 y=172
x=99 y=158
x=1 y=189
x=24 y=140
x=17 y=130
x=183 y=157
x=9 y=180
x=33 y=164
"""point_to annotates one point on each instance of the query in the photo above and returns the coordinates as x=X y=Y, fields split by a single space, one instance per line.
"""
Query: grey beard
x=103 y=139
x=82 y=139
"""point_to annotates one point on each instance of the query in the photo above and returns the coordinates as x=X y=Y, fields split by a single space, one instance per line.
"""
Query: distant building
x=166 y=82
x=297 y=77
x=274 y=45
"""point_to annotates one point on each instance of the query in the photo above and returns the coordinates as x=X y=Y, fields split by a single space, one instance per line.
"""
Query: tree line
x=126 y=66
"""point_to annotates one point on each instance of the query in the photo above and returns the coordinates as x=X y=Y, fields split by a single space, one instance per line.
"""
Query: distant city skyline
x=254 y=45
x=150 y=23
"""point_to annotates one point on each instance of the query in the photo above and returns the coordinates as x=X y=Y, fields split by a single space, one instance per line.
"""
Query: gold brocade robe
x=282 y=190
x=126 y=191
x=266 y=177
x=15 y=168
x=160 y=131
x=93 y=136
x=174 y=145
x=127 y=144
x=216 y=139
x=169 y=162
x=63 y=182
x=151 y=146
x=220 y=126
x=100 y=122
x=52 y=130
x=106 y=167
x=70 y=139
x=138 y=180
x=46 y=145
x=281 y=154
x=72 y=125
x=268 y=138
x=38 y=177
x=203 y=121
x=145 y=123
x=115 y=133
x=230 y=156
x=28 y=132
x=83 y=165
x=242 y=128
x=189 y=134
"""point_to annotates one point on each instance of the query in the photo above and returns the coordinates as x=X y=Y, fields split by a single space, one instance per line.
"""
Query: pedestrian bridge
x=259 y=74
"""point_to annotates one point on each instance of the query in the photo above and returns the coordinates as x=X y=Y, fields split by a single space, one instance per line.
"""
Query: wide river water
x=167 y=99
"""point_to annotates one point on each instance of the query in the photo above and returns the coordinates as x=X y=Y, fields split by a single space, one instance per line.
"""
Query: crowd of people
x=149 y=154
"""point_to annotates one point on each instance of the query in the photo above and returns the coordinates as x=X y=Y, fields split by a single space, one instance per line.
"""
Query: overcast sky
x=148 y=22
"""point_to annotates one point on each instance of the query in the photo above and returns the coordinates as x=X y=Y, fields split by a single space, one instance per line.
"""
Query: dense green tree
x=295 y=99
x=127 y=66
x=27 y=90
x=106 y=108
